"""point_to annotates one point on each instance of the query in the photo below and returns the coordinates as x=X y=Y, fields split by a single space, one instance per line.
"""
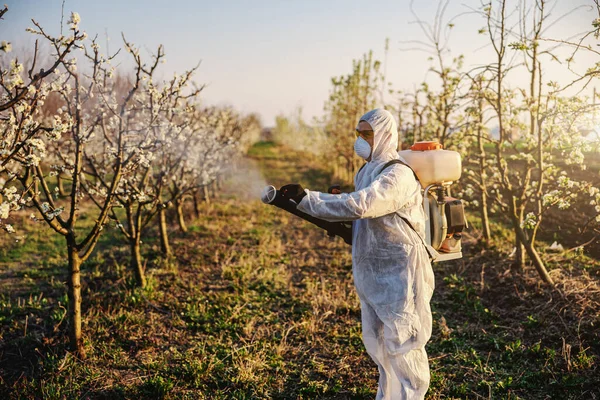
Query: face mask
x=362 y=148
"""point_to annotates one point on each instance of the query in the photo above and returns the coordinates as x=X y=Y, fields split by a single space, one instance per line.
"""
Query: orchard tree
x=156 y=117
x=98 y=138
x=76 y=127
x=23 y=134
x=252 y=128
x=476 y=182
x=531 y=157
x=529 y=166
x=208 y=148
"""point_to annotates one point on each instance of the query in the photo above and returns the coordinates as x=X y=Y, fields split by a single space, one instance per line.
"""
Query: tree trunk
x=532 y=253
x=520 y=253
x=519 y=264
x=180 y=219
x=136 y=262
x=74 y=294
x=206 y=194
x=485 y=219
x=196 y=204
x=164 y=236
x=59 y=184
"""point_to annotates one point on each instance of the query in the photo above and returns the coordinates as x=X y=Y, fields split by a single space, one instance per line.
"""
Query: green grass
x=258 y=304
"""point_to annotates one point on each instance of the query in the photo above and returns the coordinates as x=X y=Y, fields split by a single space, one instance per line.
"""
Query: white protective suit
x=391 y=267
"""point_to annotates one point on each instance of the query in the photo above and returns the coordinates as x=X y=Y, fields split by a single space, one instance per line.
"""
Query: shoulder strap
x=389 y=164
x=361 y=168
x=431 y=256
x=397 y=161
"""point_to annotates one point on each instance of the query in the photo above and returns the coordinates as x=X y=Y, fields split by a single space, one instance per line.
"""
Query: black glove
x=293 y=191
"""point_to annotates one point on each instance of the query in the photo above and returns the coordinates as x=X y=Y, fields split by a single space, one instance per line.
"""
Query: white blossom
x=74 y=20
x=529 y=222
x=5 y=46
x=4 y=210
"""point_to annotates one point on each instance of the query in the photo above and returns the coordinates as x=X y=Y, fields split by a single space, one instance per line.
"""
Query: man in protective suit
x=391 y=266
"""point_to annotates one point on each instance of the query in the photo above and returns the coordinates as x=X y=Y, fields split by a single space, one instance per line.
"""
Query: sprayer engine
x=446 y=221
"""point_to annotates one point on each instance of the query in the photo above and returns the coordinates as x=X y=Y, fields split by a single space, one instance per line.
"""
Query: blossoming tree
x=99 y=138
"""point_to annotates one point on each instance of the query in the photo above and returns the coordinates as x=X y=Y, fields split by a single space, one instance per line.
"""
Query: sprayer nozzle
x=268 y=195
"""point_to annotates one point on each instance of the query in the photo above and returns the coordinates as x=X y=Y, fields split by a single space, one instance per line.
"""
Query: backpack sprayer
x=436 y=169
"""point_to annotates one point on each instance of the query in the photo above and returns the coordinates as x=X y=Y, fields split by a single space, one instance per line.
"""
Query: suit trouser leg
x=401 y=375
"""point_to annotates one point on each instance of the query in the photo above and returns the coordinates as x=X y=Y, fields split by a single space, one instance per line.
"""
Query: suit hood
x=385 y=140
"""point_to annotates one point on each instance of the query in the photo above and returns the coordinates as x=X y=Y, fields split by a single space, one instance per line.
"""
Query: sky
x=272 y=57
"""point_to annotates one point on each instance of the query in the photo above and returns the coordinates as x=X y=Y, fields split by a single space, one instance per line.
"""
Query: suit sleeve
x=388 y=193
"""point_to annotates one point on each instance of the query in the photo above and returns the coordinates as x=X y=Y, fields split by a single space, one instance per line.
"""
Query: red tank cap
x=423 y=146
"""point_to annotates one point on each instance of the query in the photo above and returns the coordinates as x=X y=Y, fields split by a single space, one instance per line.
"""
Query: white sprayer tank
x=432 y=164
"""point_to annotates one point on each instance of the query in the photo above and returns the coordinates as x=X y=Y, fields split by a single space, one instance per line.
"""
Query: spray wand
x=273 y=197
